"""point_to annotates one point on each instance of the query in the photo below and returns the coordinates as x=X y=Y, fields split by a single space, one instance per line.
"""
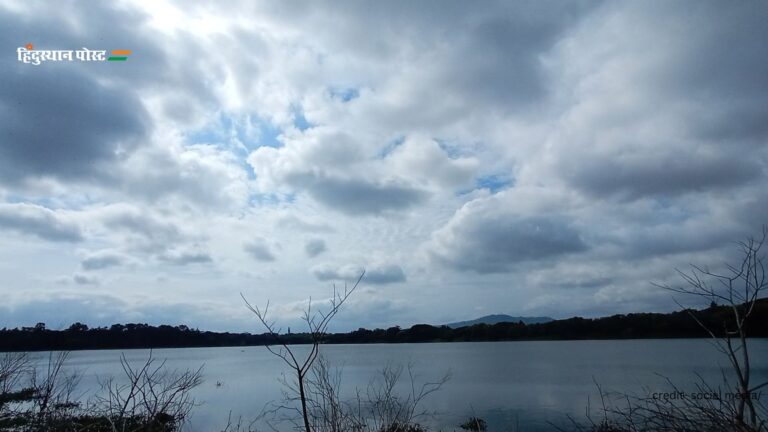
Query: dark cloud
x=327 y=272
x=65 y=120
x=497 y=60
x=720 y=63
x=374 y=274
x=185 y=257
x=259 y=250
x=632 y=178
x=493 y=59
x=672 y=120
x=152 y=233
x=359 y=197
x=657 y=242
x=316 y=167
x=663 y=233
x=82 y=279
x=491 y=242
x=38 y=221
x=81 y=122
x=102 y=259
x=314 y=247
x=63 y=125
x=384 y=275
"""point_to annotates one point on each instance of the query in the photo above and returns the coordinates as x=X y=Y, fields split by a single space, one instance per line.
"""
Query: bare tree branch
x=317 y=323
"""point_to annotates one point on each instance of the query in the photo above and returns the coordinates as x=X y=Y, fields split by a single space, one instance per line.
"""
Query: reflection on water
x=508 y=383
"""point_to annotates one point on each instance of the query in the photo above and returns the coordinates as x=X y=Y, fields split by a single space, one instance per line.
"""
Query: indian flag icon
x=119 y=55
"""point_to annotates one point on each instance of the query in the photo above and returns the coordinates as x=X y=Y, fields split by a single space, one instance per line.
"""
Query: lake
x=507 y=383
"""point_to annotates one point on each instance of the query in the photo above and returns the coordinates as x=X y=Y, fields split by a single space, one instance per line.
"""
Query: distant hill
x=500 y=318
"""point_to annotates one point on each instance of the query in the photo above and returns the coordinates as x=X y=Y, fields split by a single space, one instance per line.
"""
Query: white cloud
x=424 y=160
x=204 y=175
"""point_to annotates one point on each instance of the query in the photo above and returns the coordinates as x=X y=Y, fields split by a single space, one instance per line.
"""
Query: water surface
x=525 y=384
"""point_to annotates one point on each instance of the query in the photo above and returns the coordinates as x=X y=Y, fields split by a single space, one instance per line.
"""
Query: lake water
x=524 y=384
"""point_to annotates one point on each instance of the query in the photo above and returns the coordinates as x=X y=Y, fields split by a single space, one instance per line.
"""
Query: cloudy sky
x=529 y=158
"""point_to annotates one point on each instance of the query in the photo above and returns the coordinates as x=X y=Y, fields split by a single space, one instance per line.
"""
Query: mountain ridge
x=500 y=318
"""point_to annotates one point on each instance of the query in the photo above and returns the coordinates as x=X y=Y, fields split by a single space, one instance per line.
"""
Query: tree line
x=630 y=326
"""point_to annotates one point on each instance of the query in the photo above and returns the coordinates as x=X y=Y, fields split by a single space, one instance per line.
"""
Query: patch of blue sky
x=265 y=199
x=268 y=135
x=206 y=135
x=452 y=149
x=299 y=121
x=216 y=132
x=47 y=202
x=494 y=183
x=289 y=198
x=239 y=135
x=344 y=94
x=391 y=146
x=226 y=129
